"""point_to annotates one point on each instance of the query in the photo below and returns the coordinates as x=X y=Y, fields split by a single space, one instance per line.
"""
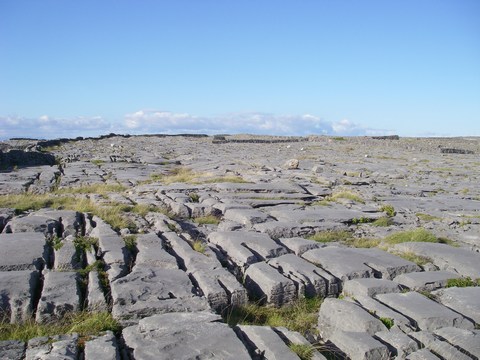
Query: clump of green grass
x=303 y=351
x=346 y=195
x=416 y=235
x=331 y=235
x=383 y=222
x=185 y=175
x=97 y=162
x=84 y=243
x=56 y=242
x=224 y=179
x=362 y=242
x=144 y=209
x=427 y=217
x=130 y=242
x=199 y=246
x=194 y=197
x=411 y=256
x=462 y=282
x=100 y=188
x=207 y=219
x=389 y=210
x=83 y=323
x=388 y=322
x=361 y=220
x=338 y=138
x=300 y=316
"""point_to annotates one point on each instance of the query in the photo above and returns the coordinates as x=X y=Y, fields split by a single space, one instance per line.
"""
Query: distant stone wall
x=22 y=158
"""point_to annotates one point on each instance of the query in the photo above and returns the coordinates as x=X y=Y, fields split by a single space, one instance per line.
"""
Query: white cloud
x=166 y=122
x=46 y=127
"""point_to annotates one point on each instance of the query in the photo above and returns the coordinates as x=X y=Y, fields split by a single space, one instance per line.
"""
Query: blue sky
x=349 y=67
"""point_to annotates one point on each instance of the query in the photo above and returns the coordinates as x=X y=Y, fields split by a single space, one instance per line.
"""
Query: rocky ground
x=172 y=235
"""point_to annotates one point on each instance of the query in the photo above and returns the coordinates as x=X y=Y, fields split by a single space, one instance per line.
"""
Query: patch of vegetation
x=362 y=242
x=411 y=256
x=323 y=202
x=303 y=351
x=84 y=323
x=84 y=243
x=346 y=195
x=427 y=217
x=194 y=197
x=389 y=210
x=100 y=189
x=207 y=219
x=361 y=220
x=383 y=222
x=388 y=322
x=301 y=316
x=331 y=235
x=339 y=138
x=144 y=209
x=185 y=175
x=130 y=242
x=97 y=162
x=462 y=282
x=199 y=246
x=416 y=235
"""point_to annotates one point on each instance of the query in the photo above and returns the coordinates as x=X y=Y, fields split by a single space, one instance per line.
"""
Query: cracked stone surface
x=183 y=229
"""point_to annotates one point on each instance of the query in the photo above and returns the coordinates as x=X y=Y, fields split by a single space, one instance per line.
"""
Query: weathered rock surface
x=23 y=251
x=462 y=300
x=17 y=293
x=183 y=336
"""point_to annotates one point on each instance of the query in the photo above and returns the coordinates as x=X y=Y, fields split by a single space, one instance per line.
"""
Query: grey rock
x=33 y=223
x=428 y=314
x=446 y=257
x=425 y=280
x=265 y=342
x=291 y=164
x=266 y=284
x=462 y=300
x=299 y=245
x=103 y=347
x=467 y=341
x=183 y=336
x=441 y=348
x=17 y=291
x=369 y=287
x=351 y=263
x=71 y=222
x=398 y=343
x=12 y=350
x=59 y=347
x=149 y=290
x=381 y=311
x=422 y=354
x=309 y=279
x=115 y=254
x=245 y=216
x=293 y=337
x=95 y=296
x=359 y=346
x=151 y=251
x=22 y=251
x=67 y=257
x=339 y=315
x=60 y=295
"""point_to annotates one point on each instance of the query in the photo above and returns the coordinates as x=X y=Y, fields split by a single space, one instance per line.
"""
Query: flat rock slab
x=352 y=263
x=33 y=223
x=422 y=354
x=149 y=290
x=339 y=315
x=309 y=279
x=465 y=301
x=60 y=347
x=60 y=295
x=437 y=346
x=428 y=314
x=246 y=216
x=265 y=283
x=398 y=343
x=264 y=341
x=294 y=337
x=245 y=247
x=446 y=257
x=12 y=350
x=151 y=252
x=360 y=346
x=425 y=280
x=198 y=335
x=23 y=251
x=17 y=291
x=466 y=340
x=299 y=245
x=103 y=347
x=369 y=287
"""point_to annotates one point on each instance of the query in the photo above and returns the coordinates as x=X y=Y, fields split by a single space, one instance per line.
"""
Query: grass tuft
x=185 y=175
x=388 y=322
x=411 y=256
x=389 y=210
x=462 y=282
x=346 y=195
x=199 y=246
x=300 y=316
x=303 y=351
x=417 y=235
x=207 y=219
x=331 y=235
x=383 y=222
x=83 y=323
